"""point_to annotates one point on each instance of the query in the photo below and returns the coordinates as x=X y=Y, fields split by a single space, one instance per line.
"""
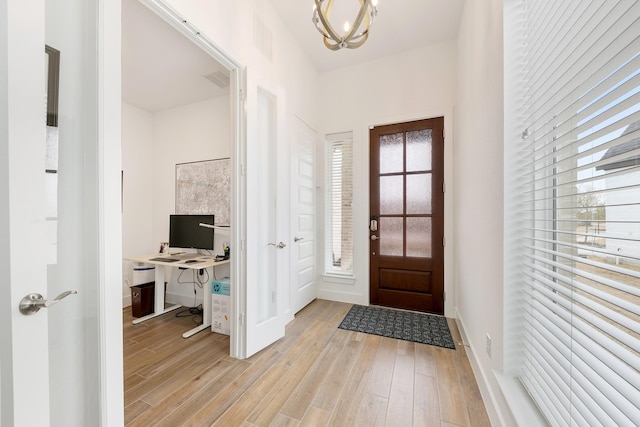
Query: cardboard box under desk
x=220 y=304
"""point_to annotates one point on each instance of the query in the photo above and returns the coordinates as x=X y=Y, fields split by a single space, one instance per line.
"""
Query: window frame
x=339 y=175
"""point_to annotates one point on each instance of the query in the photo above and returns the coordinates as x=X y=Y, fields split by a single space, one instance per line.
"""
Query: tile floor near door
x=317 y=375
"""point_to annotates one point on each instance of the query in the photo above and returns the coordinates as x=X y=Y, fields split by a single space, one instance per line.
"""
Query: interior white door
x=304 y=288
x=267 y=216
x=53 y=196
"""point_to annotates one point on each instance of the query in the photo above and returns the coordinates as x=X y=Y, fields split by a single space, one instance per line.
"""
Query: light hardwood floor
x=317 y=375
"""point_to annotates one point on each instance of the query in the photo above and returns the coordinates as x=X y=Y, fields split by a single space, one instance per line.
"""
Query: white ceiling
x=400 y=25
x=161 y=69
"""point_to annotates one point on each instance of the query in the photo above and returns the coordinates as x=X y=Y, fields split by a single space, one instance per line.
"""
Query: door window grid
x=405 y=215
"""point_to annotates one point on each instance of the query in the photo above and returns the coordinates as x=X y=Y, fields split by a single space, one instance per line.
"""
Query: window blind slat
x=573 y=220
x=613 y=317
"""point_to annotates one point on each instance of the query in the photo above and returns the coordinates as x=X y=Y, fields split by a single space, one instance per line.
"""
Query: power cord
x=196 y=310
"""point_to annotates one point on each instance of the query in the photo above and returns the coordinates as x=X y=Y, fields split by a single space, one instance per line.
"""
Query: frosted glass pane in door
x=267 y=188
x=72 y=155
x=419 y=194
x=391 y=197
x=391 y=236
x=419 y=150
x=391 y=153
x=419 y=237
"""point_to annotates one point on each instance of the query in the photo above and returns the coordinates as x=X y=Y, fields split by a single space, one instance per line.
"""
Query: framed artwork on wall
x=204 y=188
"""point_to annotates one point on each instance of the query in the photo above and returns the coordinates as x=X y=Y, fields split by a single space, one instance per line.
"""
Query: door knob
x=279 y=245
x=374 y=237
x=297 y=239
x=32 y=303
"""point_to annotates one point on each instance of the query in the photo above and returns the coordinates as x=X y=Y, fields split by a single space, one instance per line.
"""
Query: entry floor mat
x=403 y=325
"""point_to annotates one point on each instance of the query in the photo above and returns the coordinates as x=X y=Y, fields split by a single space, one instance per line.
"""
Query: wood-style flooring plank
x=452 y=405
x=229 y=395
x=401 y=397
x=305 y=392
x=333 y=382
x=347 y=409
x=315 y=417
x=425 y=361
x=179 y=376
x=475 y=406
x=382 y=372
x=174 y=399
x=203 y=396
x=297 y=361
x=134 y=410
x=373 y=411
x=426 y=404
x=316 y=375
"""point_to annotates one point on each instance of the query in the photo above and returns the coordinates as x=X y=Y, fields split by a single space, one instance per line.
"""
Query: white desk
x=203 y=261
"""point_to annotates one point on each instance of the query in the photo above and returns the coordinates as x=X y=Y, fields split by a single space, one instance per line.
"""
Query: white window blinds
x=573 y=208
x=339 y=200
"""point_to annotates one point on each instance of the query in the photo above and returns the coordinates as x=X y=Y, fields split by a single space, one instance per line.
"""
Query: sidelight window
x=339 y=204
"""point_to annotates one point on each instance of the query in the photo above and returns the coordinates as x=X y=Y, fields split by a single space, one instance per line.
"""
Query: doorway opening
x=220 y=79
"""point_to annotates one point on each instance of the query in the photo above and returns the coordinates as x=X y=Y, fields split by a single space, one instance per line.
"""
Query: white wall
x=152 y=146
x=137 y=186
x=285 y=72
x=190 y=133
x=412 y=85
x=478 y=202
x=230 y=25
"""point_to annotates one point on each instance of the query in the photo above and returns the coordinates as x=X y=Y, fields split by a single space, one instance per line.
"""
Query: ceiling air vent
x=219 y=78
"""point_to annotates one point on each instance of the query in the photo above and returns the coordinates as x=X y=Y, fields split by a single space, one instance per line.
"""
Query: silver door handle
x=374 y=237
x=32 y=303
x=279 y=245
x=297 y=239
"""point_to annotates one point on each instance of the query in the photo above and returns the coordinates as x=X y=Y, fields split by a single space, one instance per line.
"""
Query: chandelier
x=354 y=35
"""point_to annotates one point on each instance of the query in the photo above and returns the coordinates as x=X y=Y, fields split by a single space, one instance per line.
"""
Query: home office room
x=175 y=169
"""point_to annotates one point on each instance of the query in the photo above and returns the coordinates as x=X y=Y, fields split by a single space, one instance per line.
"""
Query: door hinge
x=444 y=241
x=444 y=295
x=443 y=134
x=241 y=244
x=444 y=187
x=242 y=170
x=241 y=318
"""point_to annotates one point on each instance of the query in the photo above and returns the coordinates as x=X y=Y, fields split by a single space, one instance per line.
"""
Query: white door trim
x=110 y=223
x=238 y=162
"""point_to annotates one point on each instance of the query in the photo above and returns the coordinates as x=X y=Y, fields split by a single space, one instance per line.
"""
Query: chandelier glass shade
x=354 y=35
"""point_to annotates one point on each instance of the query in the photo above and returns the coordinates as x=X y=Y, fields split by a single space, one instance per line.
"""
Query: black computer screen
x=185 y=231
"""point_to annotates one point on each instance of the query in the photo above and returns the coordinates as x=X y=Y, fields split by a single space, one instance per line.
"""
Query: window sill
x=522 y=407
x=339 y=278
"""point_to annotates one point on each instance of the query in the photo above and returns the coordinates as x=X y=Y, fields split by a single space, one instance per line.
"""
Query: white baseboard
x=350 y=298
x=494 y=411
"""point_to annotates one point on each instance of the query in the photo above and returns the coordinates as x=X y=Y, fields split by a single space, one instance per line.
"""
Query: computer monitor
x=185 y=232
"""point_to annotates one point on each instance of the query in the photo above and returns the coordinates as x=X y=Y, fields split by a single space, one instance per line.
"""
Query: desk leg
x=158 y=302
x=206 y=310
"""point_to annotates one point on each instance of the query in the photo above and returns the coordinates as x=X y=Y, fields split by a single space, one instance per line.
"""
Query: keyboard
x=163 y=259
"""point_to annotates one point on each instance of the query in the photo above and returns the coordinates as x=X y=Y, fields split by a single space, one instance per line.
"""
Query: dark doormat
x=403 y=325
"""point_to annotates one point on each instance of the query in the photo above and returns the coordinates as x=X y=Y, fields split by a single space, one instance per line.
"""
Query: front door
x=407 y=215
x=62 y=364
